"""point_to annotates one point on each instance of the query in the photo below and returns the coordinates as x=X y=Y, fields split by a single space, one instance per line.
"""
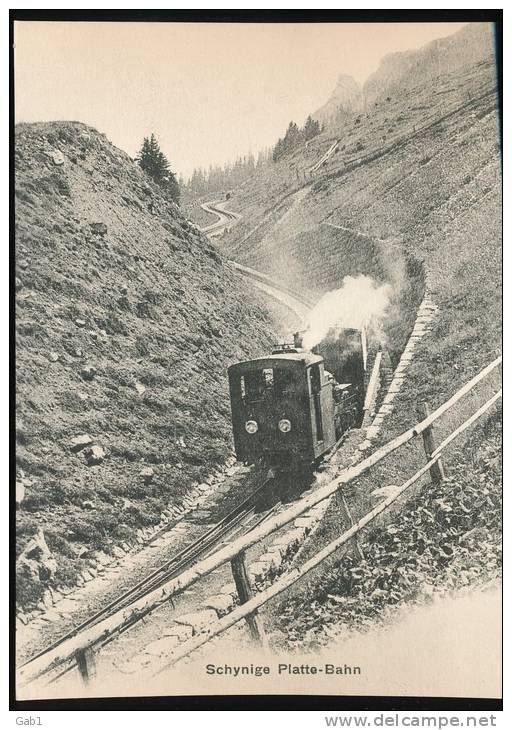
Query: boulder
x=78 y=443
x=383 y=493
x=102 y=559
x=80 y=550
x=95 y=454
x=222 y=603
x=88 y=372
x=57 y=157
x=141 y=389
x=99 y=229
x=47 y=599
x=147 y=474
x=36 y=560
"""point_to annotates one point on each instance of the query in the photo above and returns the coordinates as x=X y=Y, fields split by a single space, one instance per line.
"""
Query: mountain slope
x=405 y=69
x=415 y=183
x=471 y=45
x=126 y=321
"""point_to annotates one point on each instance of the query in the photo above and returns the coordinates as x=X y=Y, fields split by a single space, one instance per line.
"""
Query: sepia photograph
x=257 y=296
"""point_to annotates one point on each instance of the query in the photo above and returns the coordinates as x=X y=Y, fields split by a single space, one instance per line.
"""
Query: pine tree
x=292 y=139
x=156 y=165
x=292 y=136
x=311 y=128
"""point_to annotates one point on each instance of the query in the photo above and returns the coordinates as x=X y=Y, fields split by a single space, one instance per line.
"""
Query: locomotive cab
x=282 y=408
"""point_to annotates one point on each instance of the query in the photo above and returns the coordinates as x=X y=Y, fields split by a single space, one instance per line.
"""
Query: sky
x=208 y=91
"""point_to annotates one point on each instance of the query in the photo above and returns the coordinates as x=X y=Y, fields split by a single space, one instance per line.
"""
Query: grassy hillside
x=126 y=321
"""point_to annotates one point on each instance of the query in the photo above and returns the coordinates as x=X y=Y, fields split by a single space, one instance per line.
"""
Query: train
x=291 y=407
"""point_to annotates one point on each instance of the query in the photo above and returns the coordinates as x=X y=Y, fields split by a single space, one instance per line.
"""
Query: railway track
x=237 y=518
x=240 y=520
x=225 y=217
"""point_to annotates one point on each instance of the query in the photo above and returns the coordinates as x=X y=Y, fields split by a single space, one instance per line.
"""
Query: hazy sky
x=208 y=91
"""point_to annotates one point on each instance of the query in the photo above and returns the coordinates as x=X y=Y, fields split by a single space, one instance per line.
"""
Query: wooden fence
x=80 y=648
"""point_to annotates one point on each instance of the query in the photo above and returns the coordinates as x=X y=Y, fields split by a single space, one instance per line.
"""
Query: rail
x=303 y=299
x=224 y=216
x=93 y=638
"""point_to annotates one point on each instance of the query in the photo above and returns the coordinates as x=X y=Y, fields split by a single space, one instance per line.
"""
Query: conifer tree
x=311 y=128
x=156 y=165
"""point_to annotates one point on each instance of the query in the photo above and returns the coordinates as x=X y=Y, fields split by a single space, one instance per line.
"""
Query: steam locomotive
x=292 y=406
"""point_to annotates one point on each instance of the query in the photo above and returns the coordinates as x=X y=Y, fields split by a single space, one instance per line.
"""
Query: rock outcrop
x=346 y=99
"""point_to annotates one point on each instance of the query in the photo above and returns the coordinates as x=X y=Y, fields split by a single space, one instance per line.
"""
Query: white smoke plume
x=360 y=300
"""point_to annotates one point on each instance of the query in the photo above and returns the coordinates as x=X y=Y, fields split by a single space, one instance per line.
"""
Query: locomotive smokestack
x=297 y=339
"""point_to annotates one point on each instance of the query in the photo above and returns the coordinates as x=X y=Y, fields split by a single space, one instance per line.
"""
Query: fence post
x=243 y=586
x=86 y=664
x=437 y=473
x=357 y=547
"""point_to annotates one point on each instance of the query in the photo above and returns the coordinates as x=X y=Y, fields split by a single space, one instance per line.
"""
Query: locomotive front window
x=284 y=381
x=267 y=382
x=255 y=383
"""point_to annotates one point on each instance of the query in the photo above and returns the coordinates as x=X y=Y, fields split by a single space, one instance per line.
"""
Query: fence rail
x=105 y=630
x=248 y=608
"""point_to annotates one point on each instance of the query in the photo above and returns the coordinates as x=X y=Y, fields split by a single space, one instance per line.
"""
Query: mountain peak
x=345 y=99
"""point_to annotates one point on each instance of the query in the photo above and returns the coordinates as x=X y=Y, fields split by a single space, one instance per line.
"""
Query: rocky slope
x=405 y=69
x=126 y=321
x=471 y=45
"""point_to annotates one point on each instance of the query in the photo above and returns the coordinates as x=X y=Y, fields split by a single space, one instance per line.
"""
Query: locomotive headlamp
x=284 y=425
x=251 y=426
